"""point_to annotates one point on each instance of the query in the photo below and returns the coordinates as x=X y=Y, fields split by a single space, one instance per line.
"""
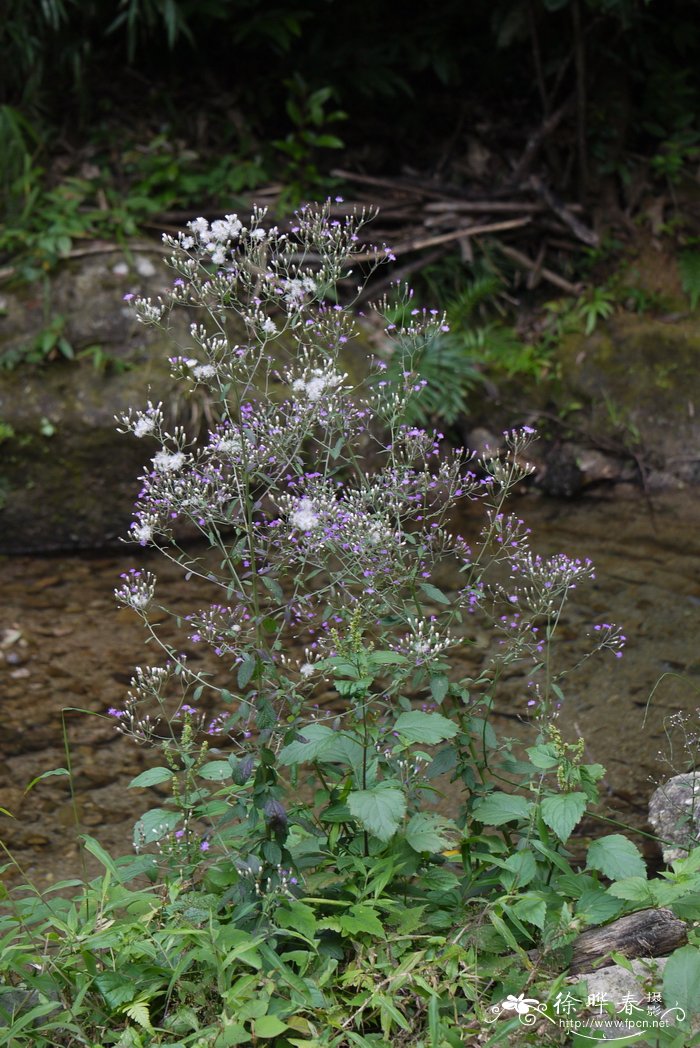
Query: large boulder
x=67 y=478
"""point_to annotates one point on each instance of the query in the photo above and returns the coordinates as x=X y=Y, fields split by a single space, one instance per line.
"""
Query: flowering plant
x=329 y=516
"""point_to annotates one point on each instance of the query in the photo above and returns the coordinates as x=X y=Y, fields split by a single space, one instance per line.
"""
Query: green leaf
x=154 y=825
x=445 y=760
x=115 y=988
x=269 y=1026
x=518 y=870
x=297 y=916
x=272 y=586
x=498 y=808
x=140 y=1014
x=562 y=812
x=433 y=593
x=427 y=728
x=439 y=685
x=152 y=777
x=531 y=908
x=543 y=756
x=307 y=747
x=319 y=742
x=596 y=906
x=428 y=832
x=380 y=810
x=386 y=658
x=635 y=889
x=46 y=775
x=681 y=980
x=361 y=918
x=616 y=857
x=215 y=771
x=246 y=670
x=95 y=848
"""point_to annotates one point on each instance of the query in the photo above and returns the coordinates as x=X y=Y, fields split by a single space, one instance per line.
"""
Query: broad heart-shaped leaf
x=380 y=810
x=152 y=777
x=428 y=728
x=154 y=825
x=428 y=832
x=562 y=812
x=498 y=808
x=681 y=982
x=616 y=857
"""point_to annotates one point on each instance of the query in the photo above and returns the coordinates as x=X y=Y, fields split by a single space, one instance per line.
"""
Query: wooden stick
x=583 y=232
x=418 y=244
x=526 y=263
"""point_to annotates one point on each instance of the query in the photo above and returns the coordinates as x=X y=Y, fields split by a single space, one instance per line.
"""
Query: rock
x=636 y=384
x=63 y=445
x=674 y=813
x=613 y=985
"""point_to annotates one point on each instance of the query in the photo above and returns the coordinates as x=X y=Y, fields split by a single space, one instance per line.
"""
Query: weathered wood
x=524 y=262
x=648 y=933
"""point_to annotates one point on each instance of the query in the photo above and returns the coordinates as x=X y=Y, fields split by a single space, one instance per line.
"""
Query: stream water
x=67 y=654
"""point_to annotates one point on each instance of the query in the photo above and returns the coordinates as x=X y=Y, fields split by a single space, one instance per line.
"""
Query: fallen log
x=648 y=933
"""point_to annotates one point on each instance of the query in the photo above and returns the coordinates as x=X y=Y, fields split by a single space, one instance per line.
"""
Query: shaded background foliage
x=222 y=72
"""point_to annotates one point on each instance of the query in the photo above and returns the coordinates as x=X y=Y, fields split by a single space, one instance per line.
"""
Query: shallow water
x=66 y=646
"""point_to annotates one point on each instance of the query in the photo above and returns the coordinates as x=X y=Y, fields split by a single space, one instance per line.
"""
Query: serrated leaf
x=596 y=906
x=433 y=593
x=562 y=812
x=429 y=832
x=531 y=908
x=140 y=1014
x=359 y=919
x=428 y=728
x=269 y=1026
x=518 y=870
x=681 y=981
x=151 y=777
x=499 y=808
x=634 y=889
x=380 y=810
x=542 y=756
x=115 y=988
x=215 y=771
x=616 y=857
x=297 y=916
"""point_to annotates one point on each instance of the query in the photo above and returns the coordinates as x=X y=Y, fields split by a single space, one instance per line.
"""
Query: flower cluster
x=137 y=589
